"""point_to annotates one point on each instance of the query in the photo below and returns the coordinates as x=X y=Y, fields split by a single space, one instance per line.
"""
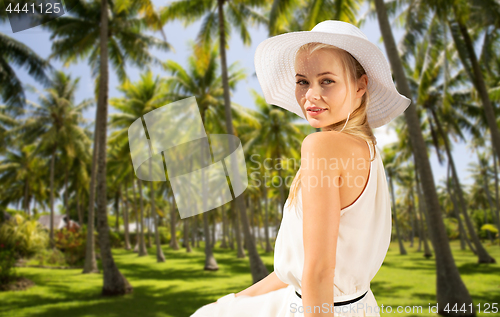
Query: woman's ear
x=362 y=85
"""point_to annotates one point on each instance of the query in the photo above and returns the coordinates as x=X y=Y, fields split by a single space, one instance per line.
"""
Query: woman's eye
x=300 y=82
x=329 y=80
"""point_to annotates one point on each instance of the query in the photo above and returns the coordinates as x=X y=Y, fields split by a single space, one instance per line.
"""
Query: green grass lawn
x=179 y=286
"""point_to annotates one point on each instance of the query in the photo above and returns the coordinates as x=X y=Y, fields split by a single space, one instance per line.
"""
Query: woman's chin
x=315 y=123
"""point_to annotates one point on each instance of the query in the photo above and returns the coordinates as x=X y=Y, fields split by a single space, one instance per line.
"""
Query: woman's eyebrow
x=317 y=75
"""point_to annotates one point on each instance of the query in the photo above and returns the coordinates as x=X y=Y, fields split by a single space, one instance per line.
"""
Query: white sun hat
x=274 y=66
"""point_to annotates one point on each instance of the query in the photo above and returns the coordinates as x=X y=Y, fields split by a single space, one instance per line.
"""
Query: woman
x=336 y=224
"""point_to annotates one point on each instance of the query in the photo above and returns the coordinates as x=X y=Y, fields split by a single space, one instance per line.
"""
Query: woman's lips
x=315 y=113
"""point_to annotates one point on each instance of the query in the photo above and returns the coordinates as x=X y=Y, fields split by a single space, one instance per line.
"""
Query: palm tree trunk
x=259 y=234
x=66 y=197
x=231 y=232
x=137 y=233
x=52 y=167
x=160 y=257
x=402 y=249
x=173 y=232
x=497 y=196
x=117 y=211
x=223 y=244
x=483 y=256
x=136 y=216
x=259 y=237
x=450 y=287
x=423 y=215
x=210 y=262
x=412 y=224
x=78 y=208
x=479 y=84
x=90 y=265
x=490 y=202
x=417 y=217
x=26 y=202
x=187 y=245
x=142 y=244
x=237 y=233
x=277 y=220
x=461 y=229
x=150 y=220
x=252 y=229
x=282 y=191
x=195 y=232
x=269 y=248
x=125 y=207
x=114 y=282
x=257 y=267
x=214 y=227
x=427 y=250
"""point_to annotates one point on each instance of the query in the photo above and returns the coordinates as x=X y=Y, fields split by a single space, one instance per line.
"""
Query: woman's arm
x=321 y=218
x=268 y=284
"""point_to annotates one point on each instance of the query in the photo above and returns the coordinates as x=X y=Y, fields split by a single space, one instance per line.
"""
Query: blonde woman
x=336 y=225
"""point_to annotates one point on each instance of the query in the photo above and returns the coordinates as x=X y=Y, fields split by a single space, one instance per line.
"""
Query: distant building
x=132 y=226
x=59 y=222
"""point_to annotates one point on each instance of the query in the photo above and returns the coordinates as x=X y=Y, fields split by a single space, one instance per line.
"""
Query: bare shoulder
x=330 y=144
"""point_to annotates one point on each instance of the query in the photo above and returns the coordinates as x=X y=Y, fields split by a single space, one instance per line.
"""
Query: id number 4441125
x=484 y=308
x=32 y=8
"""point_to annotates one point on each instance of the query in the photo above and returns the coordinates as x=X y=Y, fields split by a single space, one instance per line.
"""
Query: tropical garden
x=127 y=251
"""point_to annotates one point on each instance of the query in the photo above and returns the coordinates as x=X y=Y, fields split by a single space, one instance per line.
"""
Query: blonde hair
x=357 y=125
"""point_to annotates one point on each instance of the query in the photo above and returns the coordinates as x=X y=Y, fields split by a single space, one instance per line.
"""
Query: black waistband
x=347 y=302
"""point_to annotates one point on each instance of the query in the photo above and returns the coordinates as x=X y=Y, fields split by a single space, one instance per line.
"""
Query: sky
x=179 y=36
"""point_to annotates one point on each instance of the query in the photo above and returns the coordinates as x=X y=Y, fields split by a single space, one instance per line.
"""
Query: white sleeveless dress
x=364 y=238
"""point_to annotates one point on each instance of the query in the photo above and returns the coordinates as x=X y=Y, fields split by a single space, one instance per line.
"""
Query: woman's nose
x=312 y=94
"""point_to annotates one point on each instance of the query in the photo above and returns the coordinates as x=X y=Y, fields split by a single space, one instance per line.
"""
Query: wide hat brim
x=274 y=66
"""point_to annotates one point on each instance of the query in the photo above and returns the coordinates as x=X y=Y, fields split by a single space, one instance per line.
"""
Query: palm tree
x=277 y=135
x=140 y=241
x=19 y=169
x=406 y=172
x=463 y=236
x=465 y=14
x=154 y=216
x=497 y=198
x=173 y=219
x=454 y=14
x=57 y=123
x=201 y=80
x=450 y=287
x=12 y=53
x=443 y=106
x=293 y=15
x=480 y=192
x=87 y=32
x=6 y=122
x=140 y=97
x=125 y=213
x=119 y=165
x=408 y=178
x=79 y=180
x=391 y=165
x=215 y=23
x=114 y=282
x=483 y=255
x=423 y=211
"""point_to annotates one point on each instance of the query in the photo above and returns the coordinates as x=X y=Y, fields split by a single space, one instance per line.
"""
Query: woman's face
x=321 y=89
